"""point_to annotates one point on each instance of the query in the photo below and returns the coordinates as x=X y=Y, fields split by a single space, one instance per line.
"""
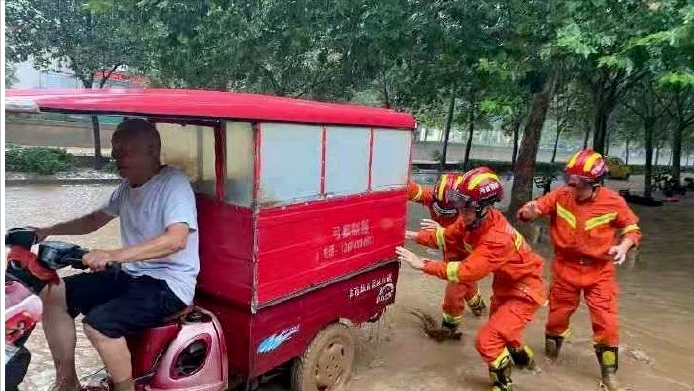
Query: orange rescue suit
x=455 y=295
x=494 y=247
x=583 y=233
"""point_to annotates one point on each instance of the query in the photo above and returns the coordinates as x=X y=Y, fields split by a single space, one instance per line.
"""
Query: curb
x=61 y=181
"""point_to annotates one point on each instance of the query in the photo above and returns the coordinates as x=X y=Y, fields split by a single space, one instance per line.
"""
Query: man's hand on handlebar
x=98 y=260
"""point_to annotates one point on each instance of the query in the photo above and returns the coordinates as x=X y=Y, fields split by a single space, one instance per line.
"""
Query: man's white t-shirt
x=145 y=212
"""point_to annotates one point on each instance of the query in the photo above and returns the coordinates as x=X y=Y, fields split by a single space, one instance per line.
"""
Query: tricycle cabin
x=291 y=193
x=303 y=203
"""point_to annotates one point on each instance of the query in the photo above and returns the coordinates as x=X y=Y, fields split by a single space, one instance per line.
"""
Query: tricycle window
x=391 y=154
x=290 y=157
x=191 y=149
x=240 y=155
x=347 y=160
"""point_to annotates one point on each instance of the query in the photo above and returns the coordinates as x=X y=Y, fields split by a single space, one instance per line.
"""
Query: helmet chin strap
x=480 y=214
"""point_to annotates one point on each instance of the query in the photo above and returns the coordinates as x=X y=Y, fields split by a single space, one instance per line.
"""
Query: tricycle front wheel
x=327 y=362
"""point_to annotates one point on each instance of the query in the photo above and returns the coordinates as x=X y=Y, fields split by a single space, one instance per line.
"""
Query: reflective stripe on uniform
x=479 y=178
x=440 y=238
x=450 y=319
x=600 y=220
x=518 y=240
x=630 y=228
x=505 y=355
x=418 y=196
x=566 y=215
x=467 y=246
x=452 y=271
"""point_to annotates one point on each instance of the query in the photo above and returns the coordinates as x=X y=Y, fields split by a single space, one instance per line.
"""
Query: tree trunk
x=677 y=152
x=98 y=159
x=516 y=135
x=96 y=132
x=471 y=129
x=657 y=156
x=626 y=155
x=586 y=136
x=449 y=123
x=648 y=172
x=386 y=97
x=602 y=118
x=556 y=143
x=527 y=155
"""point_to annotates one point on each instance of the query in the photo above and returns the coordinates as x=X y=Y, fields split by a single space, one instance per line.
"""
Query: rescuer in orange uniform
x=443 y=213
x=586 y=219
x=495 y=247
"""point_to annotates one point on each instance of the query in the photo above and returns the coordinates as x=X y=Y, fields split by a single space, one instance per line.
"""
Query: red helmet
x=478 y=188
x=442 y=205
x=585 y=166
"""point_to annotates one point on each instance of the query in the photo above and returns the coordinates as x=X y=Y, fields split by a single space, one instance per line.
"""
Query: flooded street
x=656 y=312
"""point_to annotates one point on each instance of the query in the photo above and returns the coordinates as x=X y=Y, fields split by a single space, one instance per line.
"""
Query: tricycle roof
x=202 y=104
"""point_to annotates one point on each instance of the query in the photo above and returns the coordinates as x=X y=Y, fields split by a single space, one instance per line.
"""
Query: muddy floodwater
x=656 y=312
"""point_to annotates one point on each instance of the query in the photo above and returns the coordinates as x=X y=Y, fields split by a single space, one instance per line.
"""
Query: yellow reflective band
x=566 y=334
x=467 y=246
x=452 y=271
x=476 y=300
x=479 y=178
x=418 y=196
x=452 y=319
x=458 y=181
x=572 y=161
x=600 y=220
x=566 y=215
x=629 y=228
x=442 y=186
x=440 y=238
x=609 y=358
x=528 y=351
x=588 y=165
x=518 y=240
x=505 y=355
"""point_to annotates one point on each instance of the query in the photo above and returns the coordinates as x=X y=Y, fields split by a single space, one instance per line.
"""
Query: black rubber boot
x=477 y=306
x=608 y=357
x=500 y=373
x=553 y=345
x=523 y=357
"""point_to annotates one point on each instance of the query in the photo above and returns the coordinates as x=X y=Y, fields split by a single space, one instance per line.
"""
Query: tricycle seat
x=146 y=347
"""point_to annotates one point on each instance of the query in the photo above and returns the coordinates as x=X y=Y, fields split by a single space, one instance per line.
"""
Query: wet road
x=656 y=312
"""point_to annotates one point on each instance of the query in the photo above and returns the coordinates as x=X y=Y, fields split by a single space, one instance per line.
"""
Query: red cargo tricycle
x=300 y=206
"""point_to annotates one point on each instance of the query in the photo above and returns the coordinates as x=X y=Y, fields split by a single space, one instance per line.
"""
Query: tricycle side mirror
x=22 y=237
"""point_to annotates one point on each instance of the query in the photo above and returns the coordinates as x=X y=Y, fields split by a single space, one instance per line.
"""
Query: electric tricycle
x=300 y=207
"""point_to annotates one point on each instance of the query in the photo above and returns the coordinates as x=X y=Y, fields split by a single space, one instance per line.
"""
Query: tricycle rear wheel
x=327 y=362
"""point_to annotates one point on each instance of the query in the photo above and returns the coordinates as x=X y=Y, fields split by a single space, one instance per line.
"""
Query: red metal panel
x=303 y=245
x=210 y=104
x=236 y=324
x=226 y=251
x=284 y=331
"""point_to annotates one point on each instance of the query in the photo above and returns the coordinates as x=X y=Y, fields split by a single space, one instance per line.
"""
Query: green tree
x=10 y=77
x=67 y=34
x=610 y=41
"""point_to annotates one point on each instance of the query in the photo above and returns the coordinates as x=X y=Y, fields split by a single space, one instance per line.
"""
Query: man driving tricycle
x=288 y=212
